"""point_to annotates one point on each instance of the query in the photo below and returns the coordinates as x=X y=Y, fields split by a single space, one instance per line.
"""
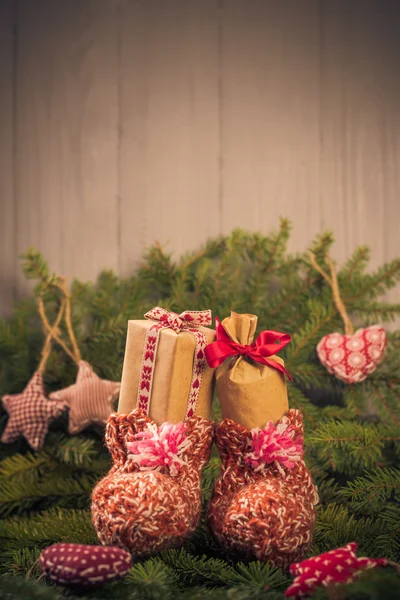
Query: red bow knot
x=244 y=350
x=188 y=319
x=267 y=344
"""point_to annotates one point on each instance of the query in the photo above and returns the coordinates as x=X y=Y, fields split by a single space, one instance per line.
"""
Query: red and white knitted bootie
x=263 y=502
x=150 y=500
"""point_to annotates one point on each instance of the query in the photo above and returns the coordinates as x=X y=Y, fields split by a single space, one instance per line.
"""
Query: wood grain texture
x=67 y=136
x=357 y=108
x=390 y=63
x=7 y=225
x=133 y=121
x=169 y=124
x=270 y=116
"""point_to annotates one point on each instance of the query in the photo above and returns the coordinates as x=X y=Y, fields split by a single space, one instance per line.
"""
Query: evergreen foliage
x=352 y=432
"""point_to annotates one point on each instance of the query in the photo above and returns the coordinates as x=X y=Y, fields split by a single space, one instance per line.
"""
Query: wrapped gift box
x=172 y=359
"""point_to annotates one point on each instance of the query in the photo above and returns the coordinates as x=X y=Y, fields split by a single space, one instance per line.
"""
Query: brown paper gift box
x=250 y=393
x=172 y=373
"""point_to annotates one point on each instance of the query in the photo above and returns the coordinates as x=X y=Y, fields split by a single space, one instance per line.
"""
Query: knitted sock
x=263 y=502
x=150 y=499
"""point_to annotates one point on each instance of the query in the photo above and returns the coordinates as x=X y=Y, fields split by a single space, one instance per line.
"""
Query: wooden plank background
x=7 y=124
x=124 y=122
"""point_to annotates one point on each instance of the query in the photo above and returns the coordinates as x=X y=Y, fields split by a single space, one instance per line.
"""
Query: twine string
x=68 y=321
x=52 y=332
x=48 y=328
x=333 y=282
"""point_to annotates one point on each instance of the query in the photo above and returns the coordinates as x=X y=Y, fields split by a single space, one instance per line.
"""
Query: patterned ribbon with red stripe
x=187 y=321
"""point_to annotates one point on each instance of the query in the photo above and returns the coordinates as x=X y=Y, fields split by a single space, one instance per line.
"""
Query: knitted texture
x=265 y=513
x=148 y=510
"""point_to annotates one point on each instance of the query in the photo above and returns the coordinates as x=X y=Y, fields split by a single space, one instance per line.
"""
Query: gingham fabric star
x=30 y=413
x=90 y=398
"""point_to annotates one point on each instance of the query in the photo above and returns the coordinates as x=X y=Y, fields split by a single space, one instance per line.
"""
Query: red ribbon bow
x=267 y=344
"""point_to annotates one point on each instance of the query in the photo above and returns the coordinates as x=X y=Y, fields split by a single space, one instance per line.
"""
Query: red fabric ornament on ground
x=30 y=413
x=334 y=567
x=352 y=358
x=90 y=399
x=81 y=566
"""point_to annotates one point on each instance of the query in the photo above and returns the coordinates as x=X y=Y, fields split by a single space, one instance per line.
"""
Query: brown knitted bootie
x=263 y=502
x=150 y=499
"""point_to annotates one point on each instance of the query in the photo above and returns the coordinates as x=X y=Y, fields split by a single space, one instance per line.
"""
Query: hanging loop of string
x=51 y=334
x=49 y=328
x=333 y=282
x=68 y=321
x=52 y=330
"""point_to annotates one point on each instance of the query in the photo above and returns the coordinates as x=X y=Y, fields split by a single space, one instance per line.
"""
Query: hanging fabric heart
x=351 y=356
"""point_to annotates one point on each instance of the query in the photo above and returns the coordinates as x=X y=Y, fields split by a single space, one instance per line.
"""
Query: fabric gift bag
x=250 y=378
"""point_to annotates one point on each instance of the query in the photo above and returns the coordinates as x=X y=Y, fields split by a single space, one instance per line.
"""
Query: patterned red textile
x=352 y=358
x=337 y=566
x=147 y=510
x=265 y=513
x=89 y=399
x=30 y=413
x=83 y=566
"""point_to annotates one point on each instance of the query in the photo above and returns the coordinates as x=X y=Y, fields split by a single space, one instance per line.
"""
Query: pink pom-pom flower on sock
x=278 y=444
x=158 y=447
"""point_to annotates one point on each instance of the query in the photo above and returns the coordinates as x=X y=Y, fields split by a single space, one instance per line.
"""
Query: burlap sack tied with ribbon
x=165 y=372
x=250 y=378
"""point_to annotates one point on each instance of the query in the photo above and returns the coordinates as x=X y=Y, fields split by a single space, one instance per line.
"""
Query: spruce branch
x=152 y=571
x=352 y=440
x=336 y=527
x=357 y=263
x=18 y=588
x=21 y=561
x=198 y=570
x=21 y=493
x=261 y=576
x=371 y=491
x=353 y=445
x=53 y=525
x=19 y=464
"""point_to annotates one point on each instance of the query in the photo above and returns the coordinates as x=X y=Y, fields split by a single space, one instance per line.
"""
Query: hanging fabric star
x=90 y=398
x=30 y=413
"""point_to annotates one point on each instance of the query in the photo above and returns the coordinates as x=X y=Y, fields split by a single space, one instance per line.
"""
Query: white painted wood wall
x=123 y=122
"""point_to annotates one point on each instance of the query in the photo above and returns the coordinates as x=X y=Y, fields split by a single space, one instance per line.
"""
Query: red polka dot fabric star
x=90 y=399
x=337 y=566
x=30 y=413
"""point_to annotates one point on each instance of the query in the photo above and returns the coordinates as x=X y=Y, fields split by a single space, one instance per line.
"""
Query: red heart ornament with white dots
x=352 y=358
